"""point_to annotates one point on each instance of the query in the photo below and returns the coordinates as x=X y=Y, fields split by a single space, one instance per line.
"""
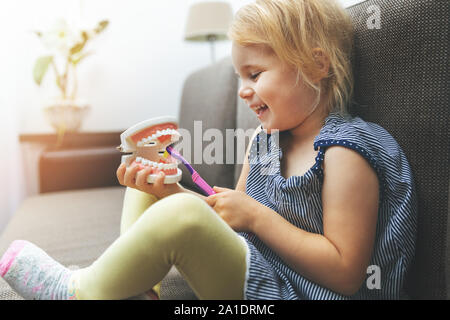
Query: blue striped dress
x=298 y=200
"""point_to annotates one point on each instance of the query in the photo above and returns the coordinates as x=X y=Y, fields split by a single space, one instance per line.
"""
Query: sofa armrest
x=78 y=168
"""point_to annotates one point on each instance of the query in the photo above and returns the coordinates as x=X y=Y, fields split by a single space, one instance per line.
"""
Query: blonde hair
x=292 y=29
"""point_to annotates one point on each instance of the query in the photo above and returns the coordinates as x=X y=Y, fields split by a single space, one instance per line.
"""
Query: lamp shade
x=208 y=19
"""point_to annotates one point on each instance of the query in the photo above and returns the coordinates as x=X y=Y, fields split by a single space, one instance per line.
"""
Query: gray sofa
x=401 y=82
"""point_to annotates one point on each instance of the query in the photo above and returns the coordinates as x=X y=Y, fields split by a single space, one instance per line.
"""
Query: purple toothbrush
x=195 y=176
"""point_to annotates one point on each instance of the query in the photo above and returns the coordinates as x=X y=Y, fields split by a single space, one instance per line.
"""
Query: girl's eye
x=253 y=76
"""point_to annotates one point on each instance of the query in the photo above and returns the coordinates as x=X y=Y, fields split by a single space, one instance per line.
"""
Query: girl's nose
x=245 y=92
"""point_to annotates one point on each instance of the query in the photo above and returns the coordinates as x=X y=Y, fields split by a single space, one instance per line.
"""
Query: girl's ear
x=322 y=64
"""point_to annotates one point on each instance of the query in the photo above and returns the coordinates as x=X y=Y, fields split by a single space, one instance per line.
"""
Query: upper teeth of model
x=260 y=107
x=175 y=136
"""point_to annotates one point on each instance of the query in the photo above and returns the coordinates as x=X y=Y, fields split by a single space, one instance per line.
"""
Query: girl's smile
x=260 y=110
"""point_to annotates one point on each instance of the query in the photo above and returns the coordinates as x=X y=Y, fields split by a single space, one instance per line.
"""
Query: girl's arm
x=338 y=259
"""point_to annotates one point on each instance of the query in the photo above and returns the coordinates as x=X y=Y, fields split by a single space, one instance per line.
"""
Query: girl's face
x=268 y=82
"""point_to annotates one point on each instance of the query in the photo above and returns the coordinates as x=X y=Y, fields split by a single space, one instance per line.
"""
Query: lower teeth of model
x=160 y=165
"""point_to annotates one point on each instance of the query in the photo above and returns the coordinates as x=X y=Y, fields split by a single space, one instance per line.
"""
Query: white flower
x=61 y=37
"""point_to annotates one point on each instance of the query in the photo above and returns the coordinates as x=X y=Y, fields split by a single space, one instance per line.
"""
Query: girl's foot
x=35 y=275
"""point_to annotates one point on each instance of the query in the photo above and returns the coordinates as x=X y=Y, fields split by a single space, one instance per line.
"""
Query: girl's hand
x=135 y=177
x=236 y=208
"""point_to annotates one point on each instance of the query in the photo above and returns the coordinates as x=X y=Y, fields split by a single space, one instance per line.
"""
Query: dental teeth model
x=146 y=143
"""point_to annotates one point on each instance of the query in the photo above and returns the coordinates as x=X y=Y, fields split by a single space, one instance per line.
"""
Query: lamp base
x=212 y=41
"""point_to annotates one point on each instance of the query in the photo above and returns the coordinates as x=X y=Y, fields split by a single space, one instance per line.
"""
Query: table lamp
x=208 y=21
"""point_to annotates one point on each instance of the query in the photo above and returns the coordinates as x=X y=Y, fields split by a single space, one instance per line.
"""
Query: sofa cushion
x=75 y=227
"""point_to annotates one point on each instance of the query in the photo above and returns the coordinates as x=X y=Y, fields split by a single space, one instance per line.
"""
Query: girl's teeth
x=260 y=107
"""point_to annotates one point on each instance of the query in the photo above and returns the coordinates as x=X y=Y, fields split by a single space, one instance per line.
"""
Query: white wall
x=136 y=72
x=12 y=183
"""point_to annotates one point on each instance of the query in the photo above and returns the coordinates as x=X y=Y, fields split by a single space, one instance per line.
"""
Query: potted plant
x=68 y=49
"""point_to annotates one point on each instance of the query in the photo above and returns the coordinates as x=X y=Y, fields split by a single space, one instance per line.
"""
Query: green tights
x=181 y=230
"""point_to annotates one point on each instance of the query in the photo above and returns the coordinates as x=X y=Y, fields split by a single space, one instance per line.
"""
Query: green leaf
x=78 y=47
x=101 y=26
x=77 y=58
x=85 y=36
x=40 y=68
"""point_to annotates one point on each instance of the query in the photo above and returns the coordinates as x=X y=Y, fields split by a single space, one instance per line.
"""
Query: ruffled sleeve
x=353 y=133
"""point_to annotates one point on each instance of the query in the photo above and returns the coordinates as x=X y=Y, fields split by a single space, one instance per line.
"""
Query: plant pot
x=66 y=115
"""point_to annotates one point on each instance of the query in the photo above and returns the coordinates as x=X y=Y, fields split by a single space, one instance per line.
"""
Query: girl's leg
x=135 y=203
x=180 y=230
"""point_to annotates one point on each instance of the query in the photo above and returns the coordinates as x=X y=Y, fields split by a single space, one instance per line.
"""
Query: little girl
x=338 y=198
